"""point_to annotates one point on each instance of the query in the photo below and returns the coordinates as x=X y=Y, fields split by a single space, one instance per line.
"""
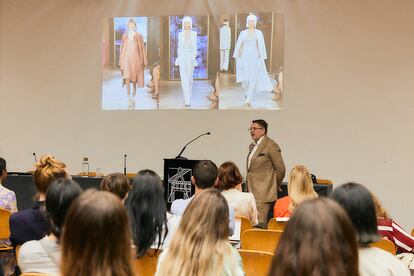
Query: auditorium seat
x=412 y=232
x=277 y=224
x=260 y=240
x=146 y=265
x=386 y=245
x=4 y=228
x=256 y=263
x=245 y=224
x=33 y=274
x=324 y=181
x=16 y=251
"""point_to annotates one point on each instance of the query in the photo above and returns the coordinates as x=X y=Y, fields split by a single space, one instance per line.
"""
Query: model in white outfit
x=225 y=42
x=186 y=58
x=250 y=54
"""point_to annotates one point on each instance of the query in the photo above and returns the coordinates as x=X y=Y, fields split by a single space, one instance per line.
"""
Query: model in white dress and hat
x=250 y=54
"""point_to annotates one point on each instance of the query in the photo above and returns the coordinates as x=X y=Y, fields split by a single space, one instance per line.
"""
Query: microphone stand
x=181 y=152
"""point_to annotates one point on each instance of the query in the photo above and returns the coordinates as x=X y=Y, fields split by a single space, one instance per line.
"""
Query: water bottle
x=85 y=166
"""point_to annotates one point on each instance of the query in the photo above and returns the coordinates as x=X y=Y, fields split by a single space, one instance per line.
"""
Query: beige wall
x=348 y=110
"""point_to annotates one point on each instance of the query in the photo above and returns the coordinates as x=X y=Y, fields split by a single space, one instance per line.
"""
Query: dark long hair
x=59 y=197
x=319 y=240
x=147 y=211
x=357 y=202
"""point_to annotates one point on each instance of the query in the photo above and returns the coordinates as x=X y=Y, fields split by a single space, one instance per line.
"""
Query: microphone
x=179 y=155
x=34 y=156
x=125 y=158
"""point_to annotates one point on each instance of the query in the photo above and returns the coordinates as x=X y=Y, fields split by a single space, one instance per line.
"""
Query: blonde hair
x=300 y=186
x=200 y=246
x=48 y=169
x=380 y=212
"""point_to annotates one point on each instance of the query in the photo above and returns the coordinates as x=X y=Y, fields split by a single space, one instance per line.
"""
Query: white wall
x=348 y=110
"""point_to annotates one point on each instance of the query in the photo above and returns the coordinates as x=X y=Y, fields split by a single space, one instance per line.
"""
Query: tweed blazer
x=266 y=170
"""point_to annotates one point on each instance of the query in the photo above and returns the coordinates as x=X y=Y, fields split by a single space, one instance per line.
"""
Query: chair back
x=33 y=274
x=16 y=252
x=147 y=264
x=276 y=224
x=386 y=245
x=260 y=240
x=324 y=181
x=256 y=263
x=412 y=232
x=4 y=224
x=245 y=224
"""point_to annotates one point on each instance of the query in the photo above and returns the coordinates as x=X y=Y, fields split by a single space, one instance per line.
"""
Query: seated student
x=96 y=237
x=201 y=245
x=118 y=184
x=8 y=202
x=229 y=181
x=357 y=202
x=388 y=228
x=152 y=226
x=319 y=239
x=204 y=177
x=300 y=188
x=43 y=256
x=31 y=224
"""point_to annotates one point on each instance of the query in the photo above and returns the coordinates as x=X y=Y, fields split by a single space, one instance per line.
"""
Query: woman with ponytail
x=43 y=256
x=31 y=224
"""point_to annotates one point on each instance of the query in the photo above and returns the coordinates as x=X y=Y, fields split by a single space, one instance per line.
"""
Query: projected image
x=227 y=61
x=257 y=75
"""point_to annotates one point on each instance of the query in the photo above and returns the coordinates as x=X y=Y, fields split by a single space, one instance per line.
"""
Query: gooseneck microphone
x=125 y=159
x=181 y=152
x=34 y=156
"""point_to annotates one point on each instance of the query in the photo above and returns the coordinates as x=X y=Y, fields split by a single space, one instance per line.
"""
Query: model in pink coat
x=132 y=58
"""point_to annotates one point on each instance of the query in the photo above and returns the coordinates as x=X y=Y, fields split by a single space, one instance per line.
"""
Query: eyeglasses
x=254 y=129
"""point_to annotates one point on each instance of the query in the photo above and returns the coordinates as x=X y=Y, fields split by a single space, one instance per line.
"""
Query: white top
x=172 y=222
x=254 y=150
x=42 y=256
x=377 y=262
x=243 y=204
x=225 y=37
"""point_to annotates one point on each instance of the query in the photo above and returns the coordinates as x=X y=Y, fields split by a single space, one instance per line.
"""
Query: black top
x=29 y=224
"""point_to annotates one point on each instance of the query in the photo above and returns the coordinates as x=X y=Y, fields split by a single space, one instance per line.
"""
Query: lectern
x=177 y=179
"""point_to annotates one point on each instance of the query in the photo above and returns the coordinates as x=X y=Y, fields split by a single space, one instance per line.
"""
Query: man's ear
x=193 y=180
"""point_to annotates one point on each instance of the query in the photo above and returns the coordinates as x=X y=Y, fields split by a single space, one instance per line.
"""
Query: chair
x=146 y=265
x=4 y=228
x=245 y=224
x=324 y=181
x=260 y=240
x=386 y=245
x=33 y=274
x=277 y=224
x=256 y=263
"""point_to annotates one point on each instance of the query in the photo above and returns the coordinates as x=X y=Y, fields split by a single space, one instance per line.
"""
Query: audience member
x=204 y=177
x=8 y=202
x=229 y=181
x=391 y=230
x=31 y=224
x=117 y=183
x=319 y=240
x=300 y=188
x=43 y=256
x=200 y=245
x=357 y=202
x=151 y=225
x=7 y=197
x=96 y=237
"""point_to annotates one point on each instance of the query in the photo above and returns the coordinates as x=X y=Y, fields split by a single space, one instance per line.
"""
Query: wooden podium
x=177 y=179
